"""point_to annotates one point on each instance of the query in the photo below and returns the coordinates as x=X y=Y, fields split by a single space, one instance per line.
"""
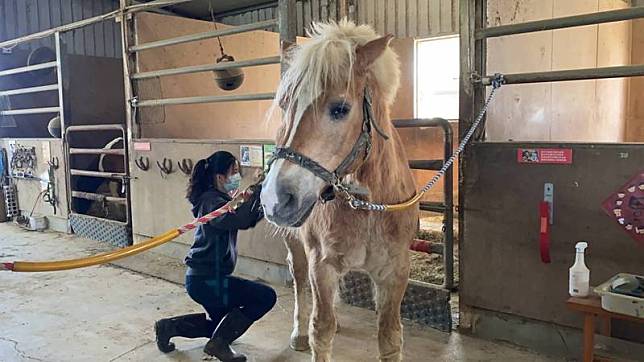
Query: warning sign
x=626 y=207
x=561 y=156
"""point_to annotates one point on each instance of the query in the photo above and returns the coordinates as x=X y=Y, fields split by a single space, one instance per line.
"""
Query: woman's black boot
x=231 y=327
x=189 y=326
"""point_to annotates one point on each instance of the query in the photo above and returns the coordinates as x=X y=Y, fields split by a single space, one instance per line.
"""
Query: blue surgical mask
x=233 y=182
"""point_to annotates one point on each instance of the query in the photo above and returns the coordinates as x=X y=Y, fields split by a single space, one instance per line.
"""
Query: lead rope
x=355 y=203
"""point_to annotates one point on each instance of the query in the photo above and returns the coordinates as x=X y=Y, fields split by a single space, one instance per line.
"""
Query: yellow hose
x=24 y=266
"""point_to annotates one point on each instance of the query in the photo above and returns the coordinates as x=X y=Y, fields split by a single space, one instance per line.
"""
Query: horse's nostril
x=289 y=201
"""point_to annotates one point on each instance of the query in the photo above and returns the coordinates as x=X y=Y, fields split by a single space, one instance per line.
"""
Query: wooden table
x=591 y=307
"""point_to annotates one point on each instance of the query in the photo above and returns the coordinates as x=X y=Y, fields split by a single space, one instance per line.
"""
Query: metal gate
x=99 y=194
x=424 y=303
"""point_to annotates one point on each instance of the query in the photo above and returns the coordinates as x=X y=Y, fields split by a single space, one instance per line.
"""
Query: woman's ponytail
x=199 y=181
x=204 y=172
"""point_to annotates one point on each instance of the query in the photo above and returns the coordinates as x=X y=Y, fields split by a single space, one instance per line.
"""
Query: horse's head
x=322 y=95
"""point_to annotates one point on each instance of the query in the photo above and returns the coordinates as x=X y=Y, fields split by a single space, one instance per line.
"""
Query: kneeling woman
x=233 y=304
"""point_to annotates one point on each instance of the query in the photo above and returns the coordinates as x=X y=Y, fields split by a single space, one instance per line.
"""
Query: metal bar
x=207 y=67
x=202 y=36
x=448 y=216
x=44 y=88
x=424 y=246
x=561 y=23
x=432 y=206
x=96 y=151
x=98 y=197
x=60 y=84
x=447 y=207
x=61 y=115
x=422 y=122
x=96 y=127
x=112 y=175
x=132 y=127
x=99 y=218
x=89 y=21
x=15 y=112
x=205 y=99
x=28 y=68
x=567 y=75
x=432 y=165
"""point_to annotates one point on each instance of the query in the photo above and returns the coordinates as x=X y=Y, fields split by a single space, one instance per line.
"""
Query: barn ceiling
x=200 y=9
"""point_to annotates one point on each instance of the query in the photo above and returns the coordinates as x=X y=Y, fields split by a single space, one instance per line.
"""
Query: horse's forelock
x=326 y=61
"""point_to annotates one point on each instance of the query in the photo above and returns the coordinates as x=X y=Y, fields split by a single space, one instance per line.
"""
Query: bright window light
x=437 y=76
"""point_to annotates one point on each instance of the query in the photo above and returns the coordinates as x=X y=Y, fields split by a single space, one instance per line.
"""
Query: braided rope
x=205 y=219
x=365 y=205
x=229 y=207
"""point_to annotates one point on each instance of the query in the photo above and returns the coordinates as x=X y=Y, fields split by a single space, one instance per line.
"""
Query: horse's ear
x=368 y=53
x=287 y=50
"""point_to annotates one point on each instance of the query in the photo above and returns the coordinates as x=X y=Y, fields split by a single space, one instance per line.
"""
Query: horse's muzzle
x=290 y=209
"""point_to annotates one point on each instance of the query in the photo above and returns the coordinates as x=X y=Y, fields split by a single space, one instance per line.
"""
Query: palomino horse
x=337 y=89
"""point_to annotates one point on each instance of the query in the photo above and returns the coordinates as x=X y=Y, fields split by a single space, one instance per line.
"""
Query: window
x=437 y=78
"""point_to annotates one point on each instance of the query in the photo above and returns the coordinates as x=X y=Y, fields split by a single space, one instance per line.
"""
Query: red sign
x=561 y=156
x=626 y=207
x=142 y=146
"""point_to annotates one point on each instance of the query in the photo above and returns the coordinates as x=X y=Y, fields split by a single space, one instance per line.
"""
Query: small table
x=591 y=307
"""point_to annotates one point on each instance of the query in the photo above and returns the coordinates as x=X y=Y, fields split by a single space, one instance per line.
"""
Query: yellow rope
x=405 y=205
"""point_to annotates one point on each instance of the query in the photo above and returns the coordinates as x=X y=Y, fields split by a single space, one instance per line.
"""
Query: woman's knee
x=266 y=299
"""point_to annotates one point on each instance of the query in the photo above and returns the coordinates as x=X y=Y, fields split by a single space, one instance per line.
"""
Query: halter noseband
x=334 y=178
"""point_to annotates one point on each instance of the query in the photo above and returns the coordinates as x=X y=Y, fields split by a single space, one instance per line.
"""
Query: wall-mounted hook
x=54 y=163
x=143 y=163
x=166 y=167
x=186 y=166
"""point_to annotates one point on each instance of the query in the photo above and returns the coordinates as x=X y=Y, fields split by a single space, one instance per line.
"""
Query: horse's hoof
x=300 y=343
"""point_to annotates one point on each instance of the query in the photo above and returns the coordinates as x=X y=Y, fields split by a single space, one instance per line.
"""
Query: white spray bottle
x=579 y=282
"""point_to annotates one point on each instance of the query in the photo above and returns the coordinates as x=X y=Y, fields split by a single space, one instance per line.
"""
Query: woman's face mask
x=233 y=182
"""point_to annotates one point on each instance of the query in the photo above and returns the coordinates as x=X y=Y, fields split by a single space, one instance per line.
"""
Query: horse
x=336 y=142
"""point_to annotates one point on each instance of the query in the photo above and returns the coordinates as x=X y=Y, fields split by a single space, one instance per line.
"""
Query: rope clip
x=498 y=80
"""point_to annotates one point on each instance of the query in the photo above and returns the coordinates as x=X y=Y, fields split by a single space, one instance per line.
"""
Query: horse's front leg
x=302 y=306
x=324 y=281
x=390 y=290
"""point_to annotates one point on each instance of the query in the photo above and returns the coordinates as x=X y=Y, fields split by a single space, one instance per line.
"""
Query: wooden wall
x=591 y=111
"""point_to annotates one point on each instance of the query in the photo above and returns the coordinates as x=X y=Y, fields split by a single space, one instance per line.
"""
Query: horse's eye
x=339 y=111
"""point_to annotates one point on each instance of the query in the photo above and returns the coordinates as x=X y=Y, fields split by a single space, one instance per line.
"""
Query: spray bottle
x=579 y=282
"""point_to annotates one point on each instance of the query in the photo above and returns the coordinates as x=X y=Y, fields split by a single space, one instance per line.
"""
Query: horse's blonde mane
x=327 y=60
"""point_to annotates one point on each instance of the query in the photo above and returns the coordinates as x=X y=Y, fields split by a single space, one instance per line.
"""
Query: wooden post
x=589 y=335
x=471 y=17
x=288 y=27
x=344 y=9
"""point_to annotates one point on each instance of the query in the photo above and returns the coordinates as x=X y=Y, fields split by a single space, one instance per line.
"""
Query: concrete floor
x=107 y=313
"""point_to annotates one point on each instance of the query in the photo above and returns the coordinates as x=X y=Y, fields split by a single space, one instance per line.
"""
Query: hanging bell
x=54 y=127
x=228 y=79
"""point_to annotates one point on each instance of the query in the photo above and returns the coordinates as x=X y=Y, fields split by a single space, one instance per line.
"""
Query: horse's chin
x=294 y=220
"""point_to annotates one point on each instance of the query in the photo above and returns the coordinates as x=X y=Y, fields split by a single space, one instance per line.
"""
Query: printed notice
x=268 y=153
x=251 y=156
x=561 y=156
